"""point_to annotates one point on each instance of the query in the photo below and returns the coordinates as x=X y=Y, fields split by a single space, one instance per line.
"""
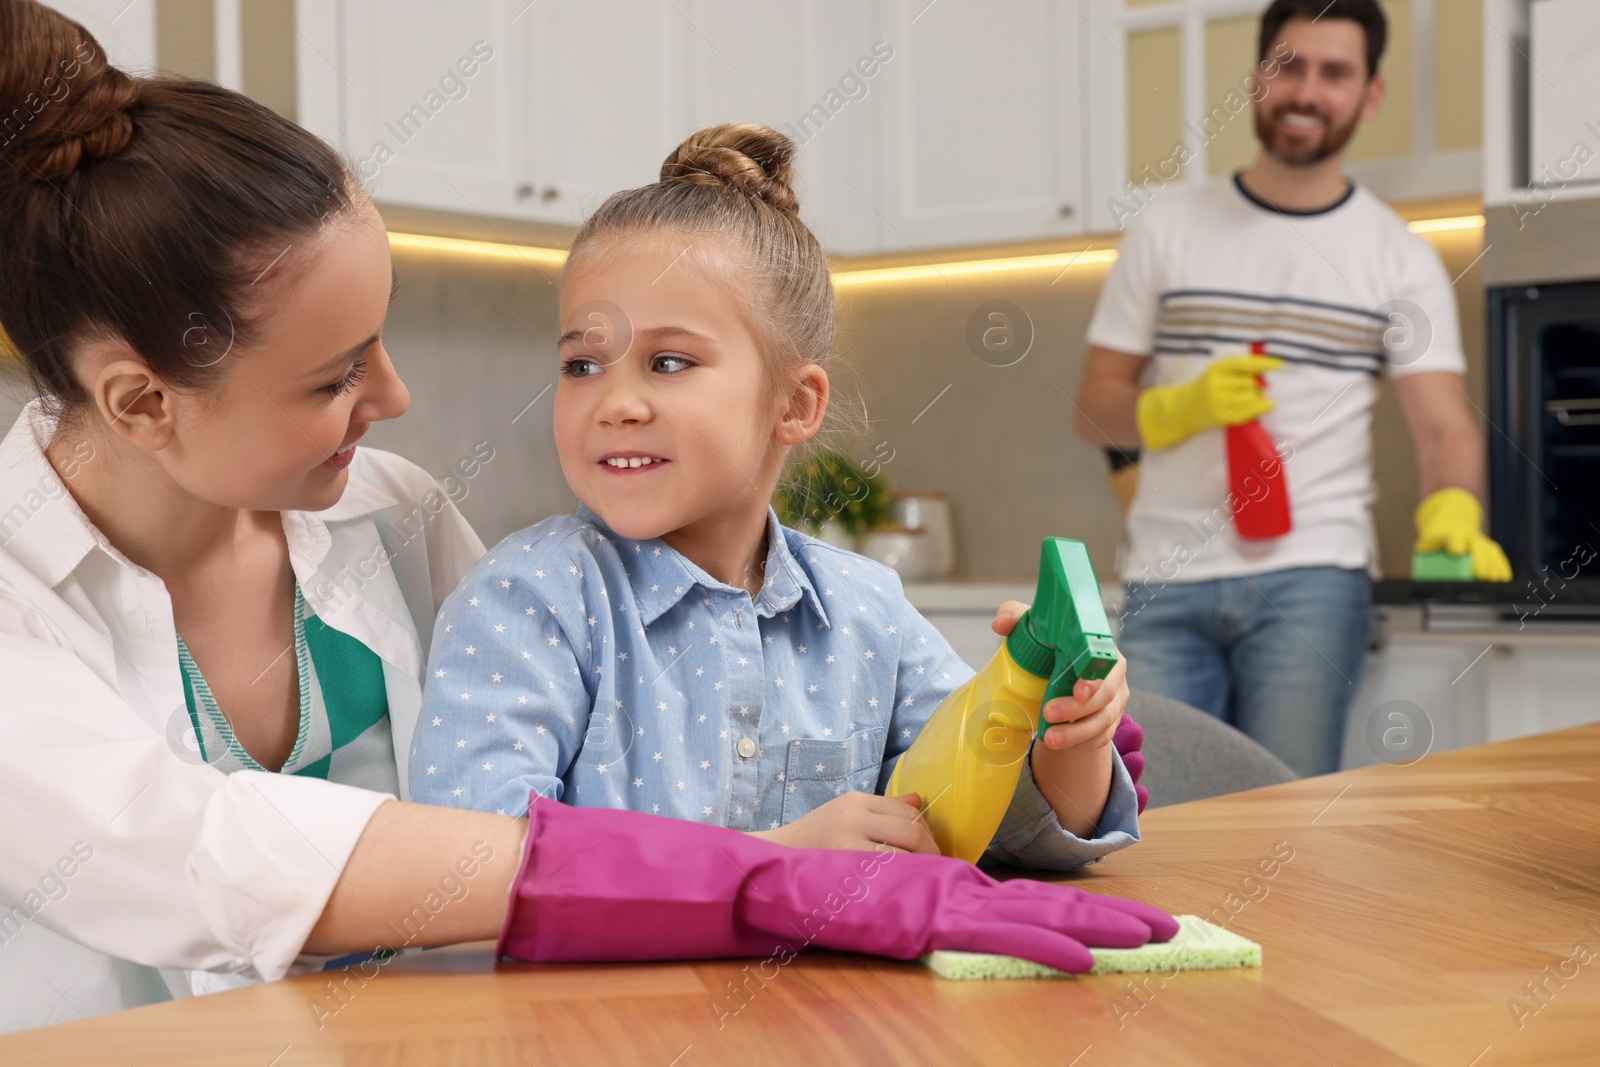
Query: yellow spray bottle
x=966 y=761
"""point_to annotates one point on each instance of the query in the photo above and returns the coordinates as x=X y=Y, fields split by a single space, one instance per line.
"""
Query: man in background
x=1271 y=634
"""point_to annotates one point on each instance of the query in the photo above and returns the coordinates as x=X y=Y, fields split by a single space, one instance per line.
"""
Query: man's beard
x=1333 y=140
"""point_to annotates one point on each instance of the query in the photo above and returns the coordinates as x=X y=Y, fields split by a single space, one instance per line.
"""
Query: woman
x=214 y=605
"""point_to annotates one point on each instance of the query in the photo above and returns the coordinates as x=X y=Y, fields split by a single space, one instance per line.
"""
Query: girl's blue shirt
x=608 y=672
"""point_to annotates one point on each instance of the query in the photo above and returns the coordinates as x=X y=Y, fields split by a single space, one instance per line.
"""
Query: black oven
x=1544 y=436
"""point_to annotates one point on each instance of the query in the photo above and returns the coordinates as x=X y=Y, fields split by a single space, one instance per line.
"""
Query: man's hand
x=1227 y=394
x=1451 y=520
x=1449 y=471
x=860 y=821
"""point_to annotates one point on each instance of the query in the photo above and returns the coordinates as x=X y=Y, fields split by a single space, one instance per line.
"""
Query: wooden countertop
x=1409 y=912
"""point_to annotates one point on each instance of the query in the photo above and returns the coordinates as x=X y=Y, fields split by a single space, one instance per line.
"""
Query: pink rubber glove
x=1129 y=739
x=599 y=884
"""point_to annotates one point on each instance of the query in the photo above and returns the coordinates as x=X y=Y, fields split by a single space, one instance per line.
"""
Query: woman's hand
x=1089 y=717
x=861 y=821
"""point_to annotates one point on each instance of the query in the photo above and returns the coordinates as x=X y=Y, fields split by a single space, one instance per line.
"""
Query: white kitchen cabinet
x=605 y=114
x=605 y=84
x=918 y=125
x=982 y=137
x=434 y=110
x=499 y=108
x=1431 y=688
x=813 y=71
x=1564 y=78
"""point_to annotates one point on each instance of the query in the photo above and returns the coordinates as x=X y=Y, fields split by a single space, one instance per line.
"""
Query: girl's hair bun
x=756 y=160
x=65 y=103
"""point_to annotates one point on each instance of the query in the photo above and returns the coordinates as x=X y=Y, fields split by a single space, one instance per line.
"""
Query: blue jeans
x=1277 y=655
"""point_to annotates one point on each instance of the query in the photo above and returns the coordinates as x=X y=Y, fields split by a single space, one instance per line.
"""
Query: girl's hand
x=1090 y=715
x=860 y=821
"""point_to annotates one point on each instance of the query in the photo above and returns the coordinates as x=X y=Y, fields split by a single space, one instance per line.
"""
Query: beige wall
x=1392 y=131
x=186 y=37
x=1458 y=61
x=474 y=340
x=1155 y=97
x=186 y=44
x=1230 y=55
x=269 y=51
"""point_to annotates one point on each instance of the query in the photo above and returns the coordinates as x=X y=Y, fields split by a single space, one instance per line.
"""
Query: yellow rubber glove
x=1451 y=520
x=1227 y=394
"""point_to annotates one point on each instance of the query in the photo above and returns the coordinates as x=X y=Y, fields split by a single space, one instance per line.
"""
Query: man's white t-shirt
x=1341 y=295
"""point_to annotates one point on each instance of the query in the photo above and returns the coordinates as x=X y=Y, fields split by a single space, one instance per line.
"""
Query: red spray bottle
x=1255 y=476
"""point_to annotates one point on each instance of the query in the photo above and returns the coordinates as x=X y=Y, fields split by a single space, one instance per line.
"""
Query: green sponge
x=1440 y=567
x=1198 y=946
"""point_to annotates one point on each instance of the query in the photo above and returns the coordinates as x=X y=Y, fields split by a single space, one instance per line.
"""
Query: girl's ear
x=808 y=402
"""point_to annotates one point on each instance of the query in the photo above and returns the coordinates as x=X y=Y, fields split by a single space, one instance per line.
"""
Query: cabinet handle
x=549 y=194
x=1584 y=412
x=1066 y=211
x=524 y=191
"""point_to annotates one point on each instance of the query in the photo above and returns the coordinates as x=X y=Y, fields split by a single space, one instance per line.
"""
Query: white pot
x=907 y=551
x=930 y=513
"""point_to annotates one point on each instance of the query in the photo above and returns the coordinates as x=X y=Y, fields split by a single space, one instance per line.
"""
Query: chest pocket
x=818 y=770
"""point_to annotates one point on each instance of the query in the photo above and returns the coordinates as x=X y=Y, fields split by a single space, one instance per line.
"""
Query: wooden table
x=1415 y=906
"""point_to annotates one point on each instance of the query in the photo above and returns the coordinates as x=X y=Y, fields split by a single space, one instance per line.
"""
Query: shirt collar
x=359 y=499
x=42 y=526
x=662 y=576
x=307 y=531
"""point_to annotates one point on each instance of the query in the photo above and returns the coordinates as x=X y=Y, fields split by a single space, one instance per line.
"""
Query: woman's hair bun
x=62 y=101
x=754 y=159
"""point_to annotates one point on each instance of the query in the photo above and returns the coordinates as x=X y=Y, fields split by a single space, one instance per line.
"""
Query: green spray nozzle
x=1064 y=636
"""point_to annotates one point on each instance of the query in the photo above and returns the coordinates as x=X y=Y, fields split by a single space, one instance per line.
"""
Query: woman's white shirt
x=124 y=859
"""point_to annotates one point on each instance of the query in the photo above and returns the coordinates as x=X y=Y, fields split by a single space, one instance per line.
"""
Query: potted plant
x=831 y=496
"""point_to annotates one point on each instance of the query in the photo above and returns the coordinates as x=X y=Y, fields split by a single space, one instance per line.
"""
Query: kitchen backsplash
x=474 y=341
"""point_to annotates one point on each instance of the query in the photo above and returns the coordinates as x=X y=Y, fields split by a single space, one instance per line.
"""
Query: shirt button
x=747 y=747
x=324 y=590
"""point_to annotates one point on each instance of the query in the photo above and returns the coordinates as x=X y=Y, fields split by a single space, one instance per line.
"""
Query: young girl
x=671 y=648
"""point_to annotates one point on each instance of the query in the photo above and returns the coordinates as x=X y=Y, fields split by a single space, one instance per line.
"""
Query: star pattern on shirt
x=650 y=610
